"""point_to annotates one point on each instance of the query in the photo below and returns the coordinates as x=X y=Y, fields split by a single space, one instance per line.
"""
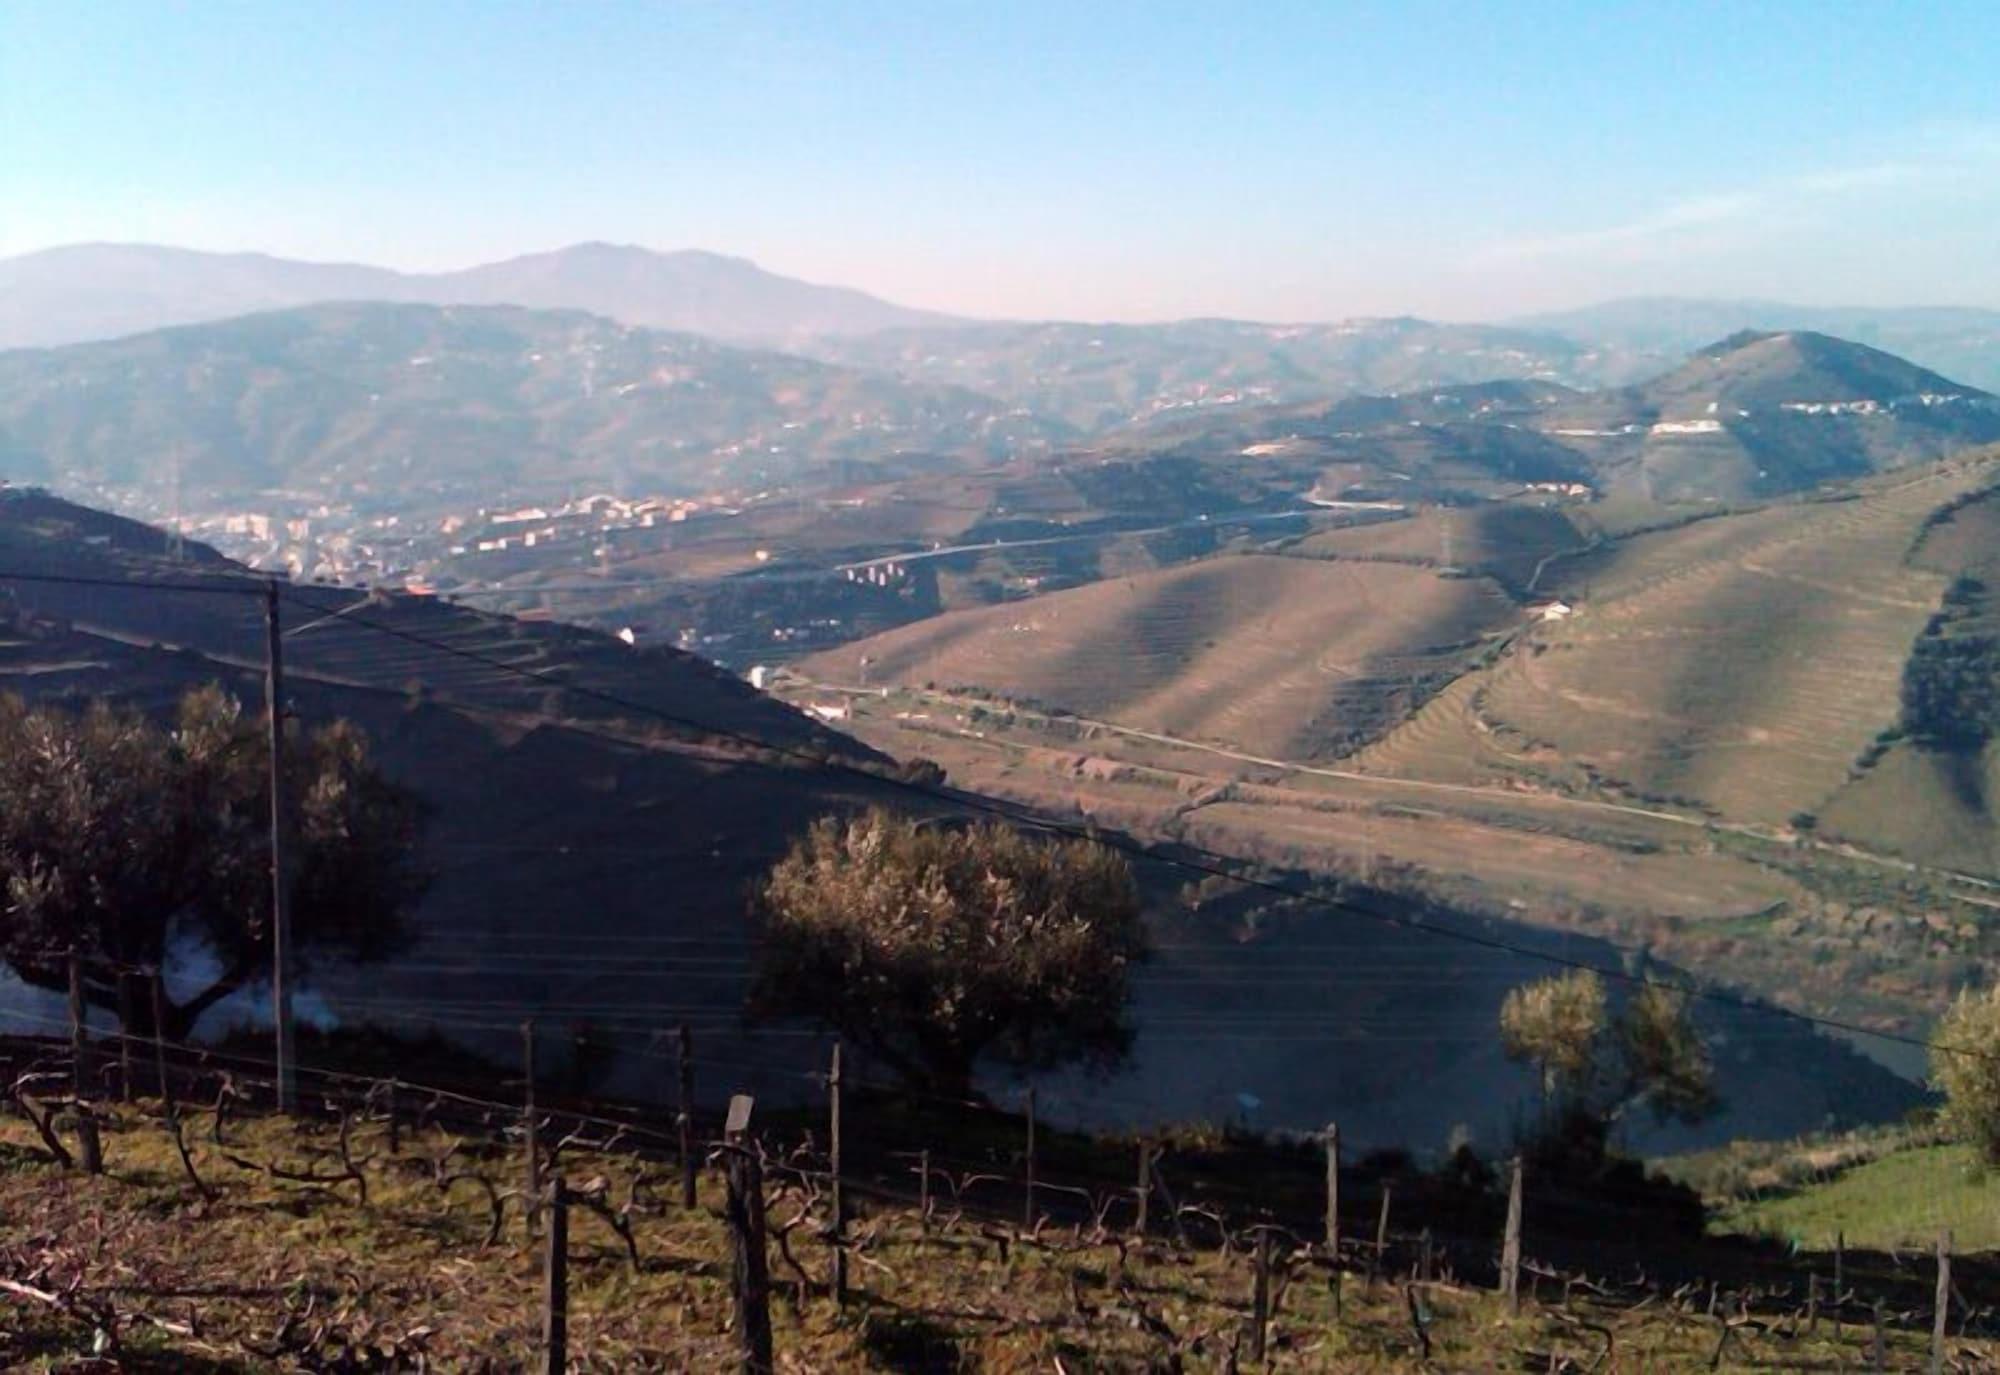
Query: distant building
x=1552 y=611
x=760 y=676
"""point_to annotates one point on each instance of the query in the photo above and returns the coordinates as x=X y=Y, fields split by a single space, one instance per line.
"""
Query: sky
x=1095 y=160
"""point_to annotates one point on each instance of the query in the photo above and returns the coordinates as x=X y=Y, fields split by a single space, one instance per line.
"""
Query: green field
x=1897 y=1203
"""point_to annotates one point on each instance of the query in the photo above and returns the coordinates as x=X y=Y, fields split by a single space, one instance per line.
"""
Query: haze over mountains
x=421 y=409
x=414 y=404
x=100 y=291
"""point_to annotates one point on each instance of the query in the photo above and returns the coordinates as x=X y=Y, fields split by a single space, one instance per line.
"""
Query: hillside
x=403 y=407
x=1762 y=414
x=1096 y=376
x=1290 y=657
x=1758 y=742
x=1748 y=417
x=597 y=818
x=100 y=291
x=1958 y=341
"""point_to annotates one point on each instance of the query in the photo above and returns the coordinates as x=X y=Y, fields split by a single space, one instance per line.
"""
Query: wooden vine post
x=1510 y=1247
x=1333 y=1192
x=531 y=1134
x=1260 y=1297
x=555 y=1283
x=750 y=1280
x=837 y=1223
x=684 y=1053
x=166 y=1085
x=1143 y=1194
x=1028 y=1192
x=1942 y=1316
x=1380 y=1261
x=79 y=1053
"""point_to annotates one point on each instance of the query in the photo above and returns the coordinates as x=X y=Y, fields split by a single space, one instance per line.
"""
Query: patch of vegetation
x=1951 y=682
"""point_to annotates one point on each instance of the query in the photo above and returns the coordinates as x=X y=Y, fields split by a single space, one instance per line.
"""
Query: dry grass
x=1282 y=656
x=272 y=1275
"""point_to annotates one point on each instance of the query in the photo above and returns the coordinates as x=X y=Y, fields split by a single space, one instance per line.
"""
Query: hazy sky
x=1083 y=158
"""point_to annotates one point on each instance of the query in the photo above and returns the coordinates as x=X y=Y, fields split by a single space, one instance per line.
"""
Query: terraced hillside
x=1291 y=657
x=1514 y=542
x=1737 y=666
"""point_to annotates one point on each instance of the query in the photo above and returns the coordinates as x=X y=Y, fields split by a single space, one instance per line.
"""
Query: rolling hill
x=1762 y=738
x=1655 y=332
x=1761 y=414
x=1747 y=417
x=403 y=406
x=1297 y=658
x=590 y=858
x=100 y=291
x=1099 y=376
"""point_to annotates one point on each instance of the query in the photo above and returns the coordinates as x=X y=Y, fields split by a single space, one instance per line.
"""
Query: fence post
x=1880 y=1350
x=555 y=1287
x=924 y=1190
x=160 y=1046
x=79 y=1052
x=531 y=1132
x=837 y=1226
x=1510 y=1247
x=128 y=1013
x=1943 y=1315
x=1812 y=1304
x=684 y=1051
x=1333 y=1192
x=395 y=1117
x=1260 y=1296
x=1839 y=1266
x=1028 y=1194
x=1381 y=1259
x=749 y=1278
x=1145 y=1189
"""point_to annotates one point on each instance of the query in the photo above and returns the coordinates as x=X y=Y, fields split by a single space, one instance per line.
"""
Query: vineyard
x=388 y=1225
x=1294 y=657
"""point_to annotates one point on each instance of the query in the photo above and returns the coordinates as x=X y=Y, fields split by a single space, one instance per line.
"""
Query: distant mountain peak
x=84 y=292
x=1743 y=338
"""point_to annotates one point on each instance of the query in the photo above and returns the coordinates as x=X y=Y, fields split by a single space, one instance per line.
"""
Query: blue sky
x=1085 y=159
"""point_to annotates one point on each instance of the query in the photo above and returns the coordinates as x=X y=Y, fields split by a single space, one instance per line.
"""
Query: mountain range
x=1656 y=331
x=1085 y=373
x=404 y=404
x=100 y=291
x=414 y=408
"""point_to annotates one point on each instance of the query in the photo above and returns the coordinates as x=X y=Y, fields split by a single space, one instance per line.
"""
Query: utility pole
x=281 y=895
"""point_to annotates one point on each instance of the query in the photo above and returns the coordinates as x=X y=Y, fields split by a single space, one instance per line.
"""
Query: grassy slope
x=1508 y=540
x=1898 y=1202
x=1740 y=663
x=1272 y=655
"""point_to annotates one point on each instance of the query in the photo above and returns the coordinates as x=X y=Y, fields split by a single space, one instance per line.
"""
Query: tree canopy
x=1965 y=1066
x=936 y=946
x=124 y=840
x=1596 y=1065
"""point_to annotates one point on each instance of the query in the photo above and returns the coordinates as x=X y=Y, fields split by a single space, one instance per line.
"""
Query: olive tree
x=1965 y=1067
x=936 y=947
x=1596 y=1065
x=123 y=840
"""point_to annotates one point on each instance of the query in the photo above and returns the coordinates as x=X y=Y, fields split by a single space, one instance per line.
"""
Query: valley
x=1459 y=621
